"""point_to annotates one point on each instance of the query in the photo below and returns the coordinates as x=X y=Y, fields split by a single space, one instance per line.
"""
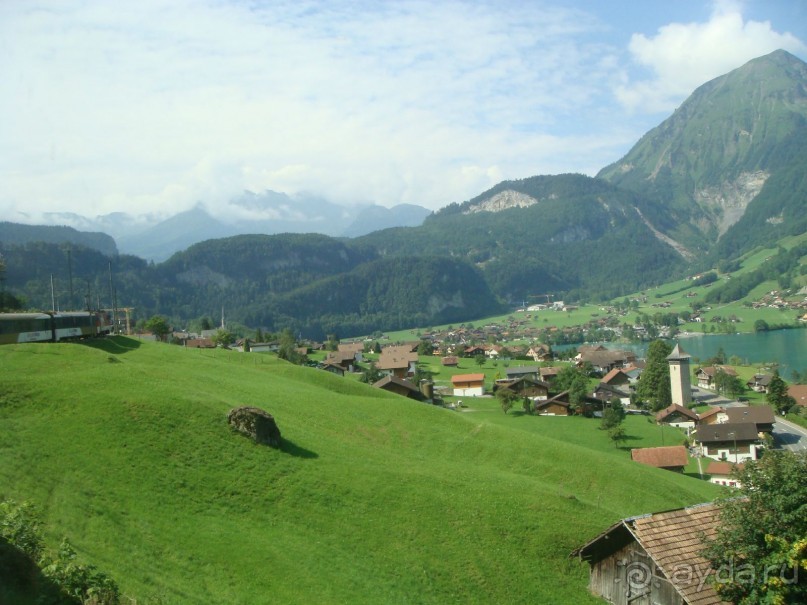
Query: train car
x=103 y=323
x=25 y=327
x=50 y=327
x=72 y=325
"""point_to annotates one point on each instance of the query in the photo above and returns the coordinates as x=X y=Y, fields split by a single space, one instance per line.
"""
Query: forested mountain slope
x=727 y=170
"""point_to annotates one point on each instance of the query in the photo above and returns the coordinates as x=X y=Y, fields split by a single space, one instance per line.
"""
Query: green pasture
x=125 y=449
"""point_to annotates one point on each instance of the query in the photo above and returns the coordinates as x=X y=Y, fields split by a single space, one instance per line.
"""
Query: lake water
x=788 y=348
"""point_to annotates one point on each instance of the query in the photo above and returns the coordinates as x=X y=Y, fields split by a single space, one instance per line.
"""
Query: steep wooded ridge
x=724 y=174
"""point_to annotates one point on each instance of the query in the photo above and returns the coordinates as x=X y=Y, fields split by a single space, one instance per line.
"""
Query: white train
x=52 y=327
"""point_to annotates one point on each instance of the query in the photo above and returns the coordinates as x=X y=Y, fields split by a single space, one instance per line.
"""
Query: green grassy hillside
x=125 y=449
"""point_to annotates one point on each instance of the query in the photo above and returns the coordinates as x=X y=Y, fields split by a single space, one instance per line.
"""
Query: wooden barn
x=654 y=559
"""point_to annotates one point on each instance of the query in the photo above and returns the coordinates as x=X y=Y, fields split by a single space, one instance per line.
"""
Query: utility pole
x=112 y=299
x=52 y=295
x=70 y=275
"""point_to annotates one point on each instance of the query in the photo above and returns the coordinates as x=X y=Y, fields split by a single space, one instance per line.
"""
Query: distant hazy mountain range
x=266 y=213
x=727 y=172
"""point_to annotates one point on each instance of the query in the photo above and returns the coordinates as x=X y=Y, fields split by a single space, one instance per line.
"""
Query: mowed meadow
x=125 y=449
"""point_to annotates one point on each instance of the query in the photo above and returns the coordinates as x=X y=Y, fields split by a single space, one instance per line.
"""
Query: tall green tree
x=727 y=384
x=613 y=415
x=287 y=348
x=759 y=553
x=158 y=326
x=653 y=387
x=506 y=399
x=572 y=379
x=777 y=395
x=371 y=374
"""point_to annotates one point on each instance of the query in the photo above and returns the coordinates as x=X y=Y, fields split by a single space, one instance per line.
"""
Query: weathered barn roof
x=673 y=540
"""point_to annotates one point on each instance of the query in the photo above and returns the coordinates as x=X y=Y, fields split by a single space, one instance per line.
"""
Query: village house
x=677 y=415
x=671 y=458
x=761 y=416
x=523 y=372
x=720 y=472
x=399 y=386
x=468 y=385
x=398 y=360
x=549 y=374
x=525 y=386
x=634 y=371
x=799 y=393
x=617 y=378
x=540 y=352
x=354 y=348
x=734 y=442
x=654 y=559
x=347 y=361
x=759 y=383
x=450 y=361
x=493 y=351
x=556 y=406
x=473 y=351
x=714 y=415
x=607 y=392
x=603 y=361
x=706 y=376
x=333 y=368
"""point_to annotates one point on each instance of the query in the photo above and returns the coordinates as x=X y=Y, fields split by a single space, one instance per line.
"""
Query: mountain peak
x=708 y=162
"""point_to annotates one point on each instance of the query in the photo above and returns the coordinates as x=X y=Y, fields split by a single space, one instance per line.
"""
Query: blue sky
x=151 y=107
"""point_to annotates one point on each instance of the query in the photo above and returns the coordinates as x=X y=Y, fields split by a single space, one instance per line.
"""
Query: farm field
x=124 y=448
x=676 y=296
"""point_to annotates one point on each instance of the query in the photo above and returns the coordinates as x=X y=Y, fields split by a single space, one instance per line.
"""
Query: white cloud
x=155 y=106
x=682 y=56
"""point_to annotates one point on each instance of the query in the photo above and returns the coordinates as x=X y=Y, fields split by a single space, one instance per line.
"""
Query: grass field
x=125 y=449
x=675 y=293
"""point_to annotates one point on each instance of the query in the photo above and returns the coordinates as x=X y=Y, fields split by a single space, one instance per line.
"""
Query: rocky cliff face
x=728 y=201
x=503 y=200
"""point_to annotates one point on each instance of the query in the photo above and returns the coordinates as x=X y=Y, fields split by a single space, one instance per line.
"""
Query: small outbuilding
x=399 y=386
x=672 y=457
x=468 y=385
x=654 y=559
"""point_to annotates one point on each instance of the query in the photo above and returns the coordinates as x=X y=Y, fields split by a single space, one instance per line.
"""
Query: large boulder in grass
x=255 y=423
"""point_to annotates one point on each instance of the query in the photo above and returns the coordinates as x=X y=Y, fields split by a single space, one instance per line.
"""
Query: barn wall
x=629 y=577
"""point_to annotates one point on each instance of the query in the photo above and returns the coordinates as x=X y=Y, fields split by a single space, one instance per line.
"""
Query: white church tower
x=680 y=382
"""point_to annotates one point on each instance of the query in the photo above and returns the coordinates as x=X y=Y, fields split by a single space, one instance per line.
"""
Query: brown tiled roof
x=720 y=433
x=712 y=370
x=672 y=456
x=710 y=412
x=614 y=374
x=468 y=378
x=676 y=408
x=719 y=467
x=395 y=380
x=350 y=347
x=758 y=414
x=391 y=362
x=340 y=357
x=798 y=392
x=673 y=540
